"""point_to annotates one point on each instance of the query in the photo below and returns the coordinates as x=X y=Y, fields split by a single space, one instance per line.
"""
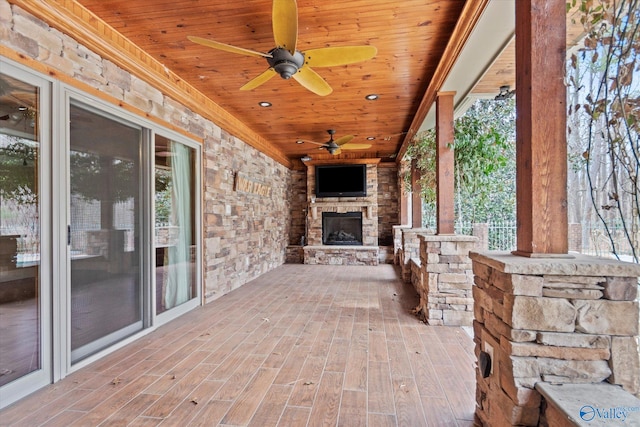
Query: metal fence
x=586 y=238
x=494 y=236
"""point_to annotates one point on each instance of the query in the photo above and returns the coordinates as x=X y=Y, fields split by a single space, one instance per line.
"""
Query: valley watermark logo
x=614 y=413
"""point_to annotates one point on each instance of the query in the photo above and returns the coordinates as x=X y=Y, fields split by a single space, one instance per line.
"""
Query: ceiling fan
x=288 y=62
x=335 y=146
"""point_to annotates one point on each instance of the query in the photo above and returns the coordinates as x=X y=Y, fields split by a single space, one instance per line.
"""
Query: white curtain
x=177 y=289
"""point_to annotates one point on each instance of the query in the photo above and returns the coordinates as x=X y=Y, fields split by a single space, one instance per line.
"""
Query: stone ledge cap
x=580 y=265
x=447 y=238
x=341 y=247
x=418 y=230
x=593 y=404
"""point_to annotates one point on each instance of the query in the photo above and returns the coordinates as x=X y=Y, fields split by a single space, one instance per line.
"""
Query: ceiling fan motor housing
x=284 y=63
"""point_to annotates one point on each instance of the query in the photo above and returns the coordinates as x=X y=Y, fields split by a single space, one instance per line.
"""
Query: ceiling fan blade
x=312 y=81
x=356 y=146
x=336 y=151
x=227 y=47
x=322 y=144
x=344 y=139
x=260 y=79
x=285 y=24
x=332 y=56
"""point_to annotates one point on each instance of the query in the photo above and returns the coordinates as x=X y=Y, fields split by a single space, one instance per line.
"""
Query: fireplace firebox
x=342 y=228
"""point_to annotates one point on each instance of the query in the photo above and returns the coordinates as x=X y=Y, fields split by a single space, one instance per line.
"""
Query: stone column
x=446 y=280
x=397 y=243
x=481 y=231
x=410 y=249
x=561 y=321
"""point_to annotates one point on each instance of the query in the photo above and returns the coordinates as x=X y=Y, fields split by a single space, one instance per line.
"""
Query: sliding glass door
x=99 y=228
x=25 y=266
x=106 y=199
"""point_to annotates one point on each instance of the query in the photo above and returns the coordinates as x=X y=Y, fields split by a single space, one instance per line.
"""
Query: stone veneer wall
x=388 y=198
x=553 y=320
x=297 y=196
x=245 y=235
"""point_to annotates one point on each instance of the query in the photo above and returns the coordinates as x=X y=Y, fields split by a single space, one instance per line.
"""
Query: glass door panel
x=106 y=196
x=20 y=243
x=175 y=228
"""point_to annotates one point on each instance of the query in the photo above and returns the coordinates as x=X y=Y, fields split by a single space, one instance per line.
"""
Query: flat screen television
x=341 y=180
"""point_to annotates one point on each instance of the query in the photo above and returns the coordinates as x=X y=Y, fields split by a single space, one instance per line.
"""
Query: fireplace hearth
x=342 y=228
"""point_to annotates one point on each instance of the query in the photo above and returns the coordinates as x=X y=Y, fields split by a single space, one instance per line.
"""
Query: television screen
x=341 y=180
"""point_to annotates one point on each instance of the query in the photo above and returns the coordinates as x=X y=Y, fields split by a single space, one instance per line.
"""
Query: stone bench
x=592 y=405
x=341 y=255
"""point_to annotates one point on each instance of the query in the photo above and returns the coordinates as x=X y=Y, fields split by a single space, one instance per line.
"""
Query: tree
x=604 y=115
x=484 y=144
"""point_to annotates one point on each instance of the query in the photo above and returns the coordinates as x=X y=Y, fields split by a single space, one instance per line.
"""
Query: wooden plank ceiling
x=410 y=37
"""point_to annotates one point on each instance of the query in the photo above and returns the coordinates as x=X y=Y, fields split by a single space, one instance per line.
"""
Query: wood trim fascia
x=84 y=87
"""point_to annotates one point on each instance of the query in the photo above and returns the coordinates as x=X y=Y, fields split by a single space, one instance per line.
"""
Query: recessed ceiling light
x=371 y=97
x=264 y=104
x=371 y=138
x=305 y=158
x=299 y=141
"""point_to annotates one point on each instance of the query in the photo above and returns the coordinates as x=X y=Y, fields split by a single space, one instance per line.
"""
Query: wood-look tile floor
x=302 y=345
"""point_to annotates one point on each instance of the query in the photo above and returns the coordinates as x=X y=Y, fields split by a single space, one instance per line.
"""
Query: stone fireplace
x=342 y=228
x=345 y=212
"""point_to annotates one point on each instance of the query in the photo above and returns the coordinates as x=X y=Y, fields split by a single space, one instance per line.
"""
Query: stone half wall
x=244 y=235
x=561 y=321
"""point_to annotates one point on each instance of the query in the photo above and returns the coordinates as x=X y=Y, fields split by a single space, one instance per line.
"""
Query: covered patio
x=261 y=342
x=300 y=345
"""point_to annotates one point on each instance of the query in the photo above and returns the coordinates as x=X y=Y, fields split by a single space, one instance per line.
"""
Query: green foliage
x=17 y=172
x=484 y=163
x=163 y=196
x=88 y=172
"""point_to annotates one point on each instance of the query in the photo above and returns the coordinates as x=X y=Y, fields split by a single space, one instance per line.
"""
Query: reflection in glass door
x=20 y=237
x=105 y=205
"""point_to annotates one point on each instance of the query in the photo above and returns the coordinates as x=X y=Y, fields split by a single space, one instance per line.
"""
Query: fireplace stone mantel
x=314 y=206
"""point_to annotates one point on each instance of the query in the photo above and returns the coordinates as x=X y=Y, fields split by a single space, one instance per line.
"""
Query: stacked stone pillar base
x=445 y=279
x=410 y=249
x=562 y=321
